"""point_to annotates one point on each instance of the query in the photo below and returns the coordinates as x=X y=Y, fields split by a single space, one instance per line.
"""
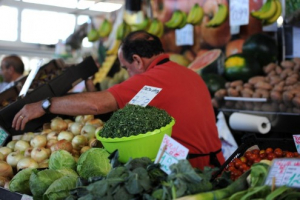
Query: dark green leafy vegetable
x=134 y=120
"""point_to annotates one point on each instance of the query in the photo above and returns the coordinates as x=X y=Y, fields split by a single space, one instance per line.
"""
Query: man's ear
x=138 y=62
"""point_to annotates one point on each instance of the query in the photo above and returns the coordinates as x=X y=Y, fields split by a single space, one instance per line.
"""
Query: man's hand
x=27 y=113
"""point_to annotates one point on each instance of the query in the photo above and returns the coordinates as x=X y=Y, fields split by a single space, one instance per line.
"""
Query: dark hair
x=14 y=61
x=141 y=43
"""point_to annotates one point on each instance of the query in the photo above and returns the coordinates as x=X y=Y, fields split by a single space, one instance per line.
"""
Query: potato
x=261 y=93
x=279 y=87
x=276 y=96
x=236 y=83
x=232 y=92
x=247 y=92
x=270 y=67
x=287 y=96
x=296 y=68
x=290 y=81
x=271 y=73
x=294 y=75
x=227 y=84
x=256 y=79
x=287 y=64
x=274 y=80
x=296 y=101
x=263 y=85
x=296 y=60
x=278 y=70
x=220 y=94
x=249 y=105
x=248 y=85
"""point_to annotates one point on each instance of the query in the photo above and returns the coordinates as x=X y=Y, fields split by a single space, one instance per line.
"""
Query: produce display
x=279 y=85
x=134 y=120
x=269 y=12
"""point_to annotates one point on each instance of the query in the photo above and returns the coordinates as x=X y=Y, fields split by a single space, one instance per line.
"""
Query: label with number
x=3 y=136
x=145 y=95
x=239 y=12
x=285 y=171
x=297 y=142
x=170 y=152
x=185 y=35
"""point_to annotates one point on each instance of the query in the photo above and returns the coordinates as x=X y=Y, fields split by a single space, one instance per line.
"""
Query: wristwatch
x=46 y=104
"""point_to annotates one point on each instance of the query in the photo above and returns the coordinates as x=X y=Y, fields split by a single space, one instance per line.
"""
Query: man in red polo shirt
x=184 y=96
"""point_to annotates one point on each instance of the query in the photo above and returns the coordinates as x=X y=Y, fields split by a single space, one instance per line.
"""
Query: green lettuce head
x=93 y=162
x=20 y=182
x=61 y=159
x=40 y=181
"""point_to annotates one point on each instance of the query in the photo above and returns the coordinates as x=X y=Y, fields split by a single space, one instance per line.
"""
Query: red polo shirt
x=185 y=97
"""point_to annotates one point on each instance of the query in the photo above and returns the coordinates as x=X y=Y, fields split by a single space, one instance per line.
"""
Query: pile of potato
x=280 y=86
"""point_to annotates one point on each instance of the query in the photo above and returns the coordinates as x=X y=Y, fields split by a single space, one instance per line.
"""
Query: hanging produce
x=195 y=15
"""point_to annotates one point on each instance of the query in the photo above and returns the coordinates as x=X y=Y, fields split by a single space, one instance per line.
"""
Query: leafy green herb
x=134 y=120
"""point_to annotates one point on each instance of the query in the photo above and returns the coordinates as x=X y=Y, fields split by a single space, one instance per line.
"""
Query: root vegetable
x=232 y=92
x=227 y=84
x=296 y=101
x=5 y=170
x=278 y=70
x=263 y=85
x=58 y=124
x=274 y=80
x=287 y=64
x=21 y=145
x=65 y=135
x=39 y=141
x=261 y=93
x=287 y=96
x=27 y=163
x=62 y=145
x=39 y=154
x=276 y=96
x=271 y=73
x=12 y=144
x=236 y=83
x=1 y=156
x=256 y=79
x=220 y=94
x=247 y=92
x=5 y=151
x=13 y=158
x=279 y=87
x=270 y=67
x=290 y=81
x=248 y=85
x=296 y=60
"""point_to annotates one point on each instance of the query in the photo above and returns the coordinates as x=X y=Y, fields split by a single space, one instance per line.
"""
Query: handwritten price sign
x=286 y=172
x=297 y=142
x=185 y=35
x=239 y=12
x=3 y=136
x=145 y=95
x=171 y=151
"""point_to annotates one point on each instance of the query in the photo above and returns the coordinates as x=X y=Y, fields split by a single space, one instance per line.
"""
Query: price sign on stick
x=3 y=136
x=145 y=95
x=297 y=142
x=239 y=12
x=170 y=152
x=286 y=171
x=185 y=35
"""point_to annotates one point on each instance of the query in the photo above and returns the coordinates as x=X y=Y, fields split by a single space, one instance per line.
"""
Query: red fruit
x=269 y=150
x=271 y=156
x=255 y=151
x=257 y=160
x=262 y=155
x=238 y=163
x=278 y=152
x=231 y=164
x=253 y=157
x=296 y=154
x=247 y=154
x=289 y=154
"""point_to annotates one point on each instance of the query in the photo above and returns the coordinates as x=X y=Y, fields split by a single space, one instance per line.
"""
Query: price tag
x=297 y=142
x=3 y=136
x=170 y=152
x=296 y=40
x=286 y=171
x=145 y=95
x=185 y=35
x=239 y=12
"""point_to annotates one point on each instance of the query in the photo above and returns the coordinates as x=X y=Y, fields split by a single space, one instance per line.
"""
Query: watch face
x=46 y=104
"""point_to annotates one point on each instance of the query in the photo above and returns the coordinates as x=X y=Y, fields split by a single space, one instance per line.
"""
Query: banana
x=266 y=11
x=156 y=28
x=93 y=35
x=270 y=12
x=183 y=21
x=105 y=28
x=275 y=16
x=175 y=20
x=219 y=17
x=114 y=49
x=123 y=30
x=141 y=26
x=195 y=15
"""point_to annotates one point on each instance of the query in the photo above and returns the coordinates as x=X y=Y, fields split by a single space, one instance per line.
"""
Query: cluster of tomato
x=239 y=165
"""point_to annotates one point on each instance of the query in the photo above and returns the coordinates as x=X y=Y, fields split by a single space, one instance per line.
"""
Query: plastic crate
x=249 y=140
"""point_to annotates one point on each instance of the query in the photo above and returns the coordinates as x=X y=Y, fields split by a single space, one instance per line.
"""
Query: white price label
x=297 y=142
x=285 y=171
x=26 y=197
x=239 y=12
x=145 y=95
x=170 y=152
x=185 y=35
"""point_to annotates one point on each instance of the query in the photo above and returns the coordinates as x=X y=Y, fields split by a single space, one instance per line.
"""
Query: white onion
x=12 y=144
x=44 y=163
x=58 y=124
x=79 y=118
x=27 y=152
x=84 y=149
x=13 y=158
x=46 y=126
x=5 y=151
x=39 y=141
x=68 y=121
x=3 y=181
x=27 y=136
x=65 y=135
x=52 y=136
x=76 y=127
x=1 y=156
x=21 y=145
x=62 y=145
x=39 y=154
x=88 y=131
x=50 y=142
x=46 y=131
x=87 y=118
x=5 y=169
x=79 y=141
x=95 y=122
x=27 y=163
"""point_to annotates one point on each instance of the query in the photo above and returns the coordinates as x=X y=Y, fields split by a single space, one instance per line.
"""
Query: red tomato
x=231 y=164
x=243 y=159
x=289 y=154
x=296 y=154
x=255 y=151
x=253 y=157
x=236 y=173
x=246 y=169
x=271 y=156
x=257 y=160
x=232 y=168
x=269 y=150
x=284 y=153
x=262 y=155
x=238 y=163
x=247 y=154
x=278 y=152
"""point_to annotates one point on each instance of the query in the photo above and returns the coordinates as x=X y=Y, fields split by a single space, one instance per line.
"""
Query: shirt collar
x=157 y=60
